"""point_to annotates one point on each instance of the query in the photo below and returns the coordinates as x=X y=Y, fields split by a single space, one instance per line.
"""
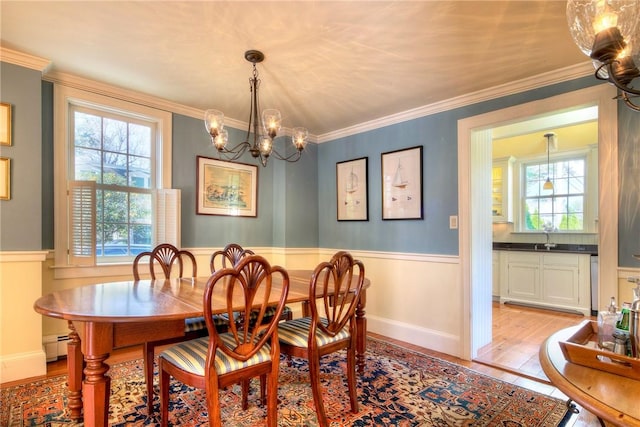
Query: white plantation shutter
x=166 y=210
x=82 y=223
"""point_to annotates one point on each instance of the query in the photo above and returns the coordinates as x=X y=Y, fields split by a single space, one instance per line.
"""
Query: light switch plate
x=453 y=222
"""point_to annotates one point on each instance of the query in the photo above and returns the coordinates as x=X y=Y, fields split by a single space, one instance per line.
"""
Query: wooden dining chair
x=161 y=262
x=334 y=291
x=223 y=359
x=230 y=255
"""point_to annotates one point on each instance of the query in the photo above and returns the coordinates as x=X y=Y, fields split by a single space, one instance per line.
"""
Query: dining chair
x=334 y=291
x=162 y=260
x=229 y=256
x=243 y=352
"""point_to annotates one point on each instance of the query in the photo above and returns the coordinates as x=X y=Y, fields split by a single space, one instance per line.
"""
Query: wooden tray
x=582 y=349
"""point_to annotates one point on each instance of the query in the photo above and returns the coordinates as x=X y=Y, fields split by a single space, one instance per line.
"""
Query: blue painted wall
x=21 y=217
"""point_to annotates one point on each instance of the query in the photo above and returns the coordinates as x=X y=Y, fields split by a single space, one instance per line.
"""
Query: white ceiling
x=329 y=64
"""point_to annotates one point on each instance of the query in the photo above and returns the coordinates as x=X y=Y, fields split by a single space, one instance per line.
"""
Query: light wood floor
x=511 y=357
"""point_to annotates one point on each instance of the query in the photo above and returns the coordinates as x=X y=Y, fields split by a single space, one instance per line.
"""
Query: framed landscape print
x=352 y=190
x=402 y=184
x=226 y=188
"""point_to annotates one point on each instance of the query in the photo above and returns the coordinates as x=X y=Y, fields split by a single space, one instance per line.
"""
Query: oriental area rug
x=400 y=387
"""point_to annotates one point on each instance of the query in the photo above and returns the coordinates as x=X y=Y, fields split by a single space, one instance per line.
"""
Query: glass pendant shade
x=266 y=145
x=599 y=25
x=299 y=138
x=214 y=122
x=271 y=121
x=548 y=185
x=220 y=141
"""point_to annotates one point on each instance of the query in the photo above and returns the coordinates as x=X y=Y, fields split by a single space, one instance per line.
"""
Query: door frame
x=476 y=244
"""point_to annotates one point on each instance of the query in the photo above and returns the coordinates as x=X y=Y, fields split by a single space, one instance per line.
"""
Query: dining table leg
x=91 y=385
x=361 y=328
x=74 y=369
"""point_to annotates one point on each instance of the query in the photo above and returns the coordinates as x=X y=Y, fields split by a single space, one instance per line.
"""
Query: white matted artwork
x=352 y=190
x=402 y=184
x=226 y=188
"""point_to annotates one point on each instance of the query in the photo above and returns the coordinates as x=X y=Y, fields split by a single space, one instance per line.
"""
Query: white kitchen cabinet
x=495 y=274
x=546 y=279
x=501 y=189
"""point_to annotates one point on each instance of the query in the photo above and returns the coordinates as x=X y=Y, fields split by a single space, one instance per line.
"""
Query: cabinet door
x=523 y=281
x=560 y=285
x=560 y=279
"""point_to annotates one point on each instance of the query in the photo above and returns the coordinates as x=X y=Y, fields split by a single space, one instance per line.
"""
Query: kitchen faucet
x=548 y=245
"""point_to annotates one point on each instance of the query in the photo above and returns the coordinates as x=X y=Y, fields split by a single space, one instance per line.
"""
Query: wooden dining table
x=610 y=397
x=106 y=316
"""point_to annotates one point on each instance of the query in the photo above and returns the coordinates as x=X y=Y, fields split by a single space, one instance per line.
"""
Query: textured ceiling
x=329 y=64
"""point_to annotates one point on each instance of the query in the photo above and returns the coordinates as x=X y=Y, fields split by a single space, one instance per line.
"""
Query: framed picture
x=5 y=178
x=351 y=190
x=402 y=184
x=5 y=124
x=226 y=188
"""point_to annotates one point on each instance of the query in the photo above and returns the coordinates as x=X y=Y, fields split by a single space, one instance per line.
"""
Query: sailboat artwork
x=399 y=180
x=351 y=190
x=402 y=184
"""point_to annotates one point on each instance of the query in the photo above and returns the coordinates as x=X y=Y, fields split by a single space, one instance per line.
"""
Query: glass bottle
x=622 y=324
x=607 y=325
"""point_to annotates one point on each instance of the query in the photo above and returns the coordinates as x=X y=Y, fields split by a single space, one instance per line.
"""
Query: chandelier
x=608 y=32
x=262 y=145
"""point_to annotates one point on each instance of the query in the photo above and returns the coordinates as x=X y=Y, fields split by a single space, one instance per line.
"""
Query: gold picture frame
x=5 y=124
x=226 y=188
x=5 y=178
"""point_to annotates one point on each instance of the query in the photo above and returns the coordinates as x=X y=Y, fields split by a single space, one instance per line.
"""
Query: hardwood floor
x=511 y=357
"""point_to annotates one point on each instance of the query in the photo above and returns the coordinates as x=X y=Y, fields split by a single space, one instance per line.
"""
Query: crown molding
x=534 y=82
x=24 y=60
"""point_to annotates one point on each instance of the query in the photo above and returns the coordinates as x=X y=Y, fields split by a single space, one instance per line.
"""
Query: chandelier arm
x=627 y=101
x=293 y=157
x=616 y=82
x=238 y=149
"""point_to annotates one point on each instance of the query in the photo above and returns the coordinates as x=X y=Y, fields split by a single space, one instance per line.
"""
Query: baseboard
x=423 y=337
x=22 y=365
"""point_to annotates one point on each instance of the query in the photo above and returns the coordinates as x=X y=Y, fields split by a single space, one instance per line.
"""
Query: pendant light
x=548 y=185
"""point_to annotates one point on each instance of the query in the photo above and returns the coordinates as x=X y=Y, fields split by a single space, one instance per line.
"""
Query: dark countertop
x=539 y=247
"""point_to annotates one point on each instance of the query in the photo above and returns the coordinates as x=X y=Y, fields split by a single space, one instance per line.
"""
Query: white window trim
x=591 y=202
x=63 y=97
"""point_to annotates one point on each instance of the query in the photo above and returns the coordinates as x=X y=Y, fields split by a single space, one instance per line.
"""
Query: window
x=115 y=152
x=112 y=171
x=562 y=208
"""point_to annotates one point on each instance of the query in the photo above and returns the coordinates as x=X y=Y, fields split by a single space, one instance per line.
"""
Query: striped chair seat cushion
x=191 y=356
x=198 y=323
x=296 y=332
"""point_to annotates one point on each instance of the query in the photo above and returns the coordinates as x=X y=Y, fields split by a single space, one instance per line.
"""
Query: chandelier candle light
x=608 y=32
x=262 y=145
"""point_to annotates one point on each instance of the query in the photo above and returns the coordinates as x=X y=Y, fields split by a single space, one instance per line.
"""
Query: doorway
x=475 y=237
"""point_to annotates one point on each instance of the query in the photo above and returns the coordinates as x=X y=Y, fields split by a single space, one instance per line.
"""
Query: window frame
x=64 y=98
x=590 y=220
